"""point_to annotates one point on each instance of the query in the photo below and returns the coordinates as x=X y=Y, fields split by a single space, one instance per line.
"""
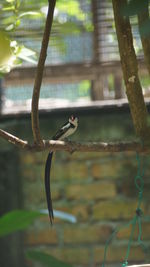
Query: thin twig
x=75 y=146
x=39 y=74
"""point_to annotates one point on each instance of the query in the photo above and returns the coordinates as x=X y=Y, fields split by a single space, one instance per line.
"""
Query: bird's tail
x=47 y=186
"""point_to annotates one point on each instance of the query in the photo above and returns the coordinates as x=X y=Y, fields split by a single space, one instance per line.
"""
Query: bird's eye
x=72 y=118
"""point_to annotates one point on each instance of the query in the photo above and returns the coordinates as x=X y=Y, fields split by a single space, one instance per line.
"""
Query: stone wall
x=97 y=188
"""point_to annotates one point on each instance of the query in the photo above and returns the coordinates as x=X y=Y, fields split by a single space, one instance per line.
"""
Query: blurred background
x=95 y=191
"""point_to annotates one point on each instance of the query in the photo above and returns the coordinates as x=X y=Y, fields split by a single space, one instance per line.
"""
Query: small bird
x=66 y=130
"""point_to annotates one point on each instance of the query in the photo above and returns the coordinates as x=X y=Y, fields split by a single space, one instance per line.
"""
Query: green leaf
x=134 y=7
x=10 y=27
x=9 y=20
x=17 y=23
x=71 y=7
x=70 y=27
x=16 y=220
x=9 y=8
x=31 y=13
x=10 y=1
x=27 y=54
x=45 y=259
x=84 y=88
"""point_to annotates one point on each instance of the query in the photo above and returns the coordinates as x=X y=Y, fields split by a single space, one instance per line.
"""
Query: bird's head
x=73 y=120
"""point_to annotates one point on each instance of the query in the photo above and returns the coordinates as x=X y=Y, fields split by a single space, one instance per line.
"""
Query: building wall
x=97 y=188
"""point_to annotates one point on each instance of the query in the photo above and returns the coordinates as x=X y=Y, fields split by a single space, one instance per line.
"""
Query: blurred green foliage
x=20 y=220
x=16 y=220
x=137 y=7
x=145 y=81
x=69 y=18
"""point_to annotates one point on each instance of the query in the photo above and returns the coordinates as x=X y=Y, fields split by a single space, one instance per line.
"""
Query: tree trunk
x=142 y=17
x=130 y=71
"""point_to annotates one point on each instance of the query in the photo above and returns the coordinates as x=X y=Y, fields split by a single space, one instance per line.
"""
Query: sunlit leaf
x=70 y=18
x=9 y=20
x=8 y=56
x=70 y=27
x=72 y=8
x=10 y=1
x=89 y=27
x=16 y=220
x=30 y=13
x=10 y=27
x=28 y=59
x=84 y=88
x=17 y=23
x=5 y=49
x=46 y=259
x=27 y=54
x=17 y=62
x=134 y=7
x=9 y=8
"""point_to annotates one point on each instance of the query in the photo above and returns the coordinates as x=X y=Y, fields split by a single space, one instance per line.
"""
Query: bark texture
x=130 y=71
x=75 y=146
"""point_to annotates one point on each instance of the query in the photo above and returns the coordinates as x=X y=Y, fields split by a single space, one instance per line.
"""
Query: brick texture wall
x=97 y=188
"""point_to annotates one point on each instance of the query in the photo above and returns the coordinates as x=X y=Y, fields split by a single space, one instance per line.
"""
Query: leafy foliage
x=19 y=220
x=18 y=20
x=137 y=7
x=16 y=220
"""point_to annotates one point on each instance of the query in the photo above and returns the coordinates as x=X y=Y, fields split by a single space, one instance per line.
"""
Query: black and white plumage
x=66 y=130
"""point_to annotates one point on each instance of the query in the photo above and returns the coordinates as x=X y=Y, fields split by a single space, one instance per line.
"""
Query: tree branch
x=39 y=74
x=130 y=72
x=75 y=146
x=14 y=140
x=94 y=146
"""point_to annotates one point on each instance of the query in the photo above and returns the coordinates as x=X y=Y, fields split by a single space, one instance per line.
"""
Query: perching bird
x=66 y=130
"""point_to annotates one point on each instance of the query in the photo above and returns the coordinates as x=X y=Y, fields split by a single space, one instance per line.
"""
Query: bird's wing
x=61 y=132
